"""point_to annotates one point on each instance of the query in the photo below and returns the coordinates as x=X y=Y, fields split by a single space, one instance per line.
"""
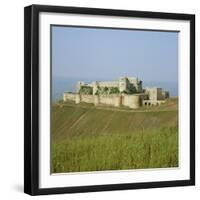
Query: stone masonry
x=127 y=91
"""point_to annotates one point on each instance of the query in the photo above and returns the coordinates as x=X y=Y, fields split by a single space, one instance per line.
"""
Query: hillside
x=88 y=138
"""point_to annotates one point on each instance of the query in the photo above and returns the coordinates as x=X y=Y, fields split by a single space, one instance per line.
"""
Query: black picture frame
x=31 y=99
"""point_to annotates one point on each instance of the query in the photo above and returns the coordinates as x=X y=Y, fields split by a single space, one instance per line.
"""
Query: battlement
x=128 y=85
x=127 y=91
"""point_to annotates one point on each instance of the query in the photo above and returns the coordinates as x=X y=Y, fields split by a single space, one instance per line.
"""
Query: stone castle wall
x=86 y=98
x=69 y=96
x=108 y=84
x=108 y=99
x=117 y=100
x=123 y=84
x=132 y=101
x=131 y=93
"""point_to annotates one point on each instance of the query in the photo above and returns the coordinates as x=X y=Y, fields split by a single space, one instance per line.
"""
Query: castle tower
x=78 y=86
x=95 y=87
x=139 y=85
x=96 y=100
x=118 y=101
x=123 y=83
x=78 y=99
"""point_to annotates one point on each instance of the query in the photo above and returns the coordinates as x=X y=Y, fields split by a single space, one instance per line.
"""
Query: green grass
x=85 y=138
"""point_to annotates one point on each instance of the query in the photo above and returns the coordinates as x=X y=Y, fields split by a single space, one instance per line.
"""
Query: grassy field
x=88 y=138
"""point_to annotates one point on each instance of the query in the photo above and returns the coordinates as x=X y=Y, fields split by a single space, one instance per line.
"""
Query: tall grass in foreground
x=147 y=149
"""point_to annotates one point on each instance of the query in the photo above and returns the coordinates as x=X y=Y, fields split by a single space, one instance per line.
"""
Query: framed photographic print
x=109 y=99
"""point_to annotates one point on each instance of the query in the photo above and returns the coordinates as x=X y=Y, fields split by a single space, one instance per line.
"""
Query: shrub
x=114 y=90
x=86 y=90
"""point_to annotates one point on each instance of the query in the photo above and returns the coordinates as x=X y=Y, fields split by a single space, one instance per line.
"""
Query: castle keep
x=127 y=91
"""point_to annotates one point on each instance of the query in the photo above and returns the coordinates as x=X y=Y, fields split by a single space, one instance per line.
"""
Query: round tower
x=95 y=87
x=78 y=99
x=96 y=100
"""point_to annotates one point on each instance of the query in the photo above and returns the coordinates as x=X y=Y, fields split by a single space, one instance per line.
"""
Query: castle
x=127 y=91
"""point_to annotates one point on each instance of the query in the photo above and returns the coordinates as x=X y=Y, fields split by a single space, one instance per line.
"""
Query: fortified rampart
x=127 y=91
x=69 y=96
x=132 y=101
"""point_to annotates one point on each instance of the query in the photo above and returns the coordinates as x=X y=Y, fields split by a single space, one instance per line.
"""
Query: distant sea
x=60 y=85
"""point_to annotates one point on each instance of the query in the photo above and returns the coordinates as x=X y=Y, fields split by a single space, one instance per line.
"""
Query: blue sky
x=103 y=54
